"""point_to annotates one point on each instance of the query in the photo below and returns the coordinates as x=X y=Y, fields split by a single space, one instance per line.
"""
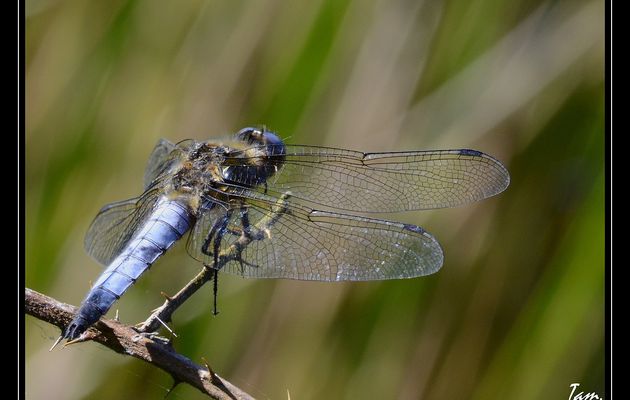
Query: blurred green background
x=516 y=312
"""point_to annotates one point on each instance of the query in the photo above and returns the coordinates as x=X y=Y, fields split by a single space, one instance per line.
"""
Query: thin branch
x=126 y=340
x=166 y=310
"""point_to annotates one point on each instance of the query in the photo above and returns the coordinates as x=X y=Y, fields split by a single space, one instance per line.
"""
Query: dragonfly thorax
x=201 y=171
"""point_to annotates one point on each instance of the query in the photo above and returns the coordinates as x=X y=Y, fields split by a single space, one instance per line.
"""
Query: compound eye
x=270 y=138
x=248 y=134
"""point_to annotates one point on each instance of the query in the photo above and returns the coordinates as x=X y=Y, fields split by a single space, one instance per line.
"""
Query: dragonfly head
x=256 y=136
x=264 y=156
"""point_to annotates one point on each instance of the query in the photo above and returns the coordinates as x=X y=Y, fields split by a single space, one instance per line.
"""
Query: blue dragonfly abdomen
x=167 y=222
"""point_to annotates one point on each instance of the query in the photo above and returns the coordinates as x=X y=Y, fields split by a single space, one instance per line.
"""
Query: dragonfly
x=259 y=208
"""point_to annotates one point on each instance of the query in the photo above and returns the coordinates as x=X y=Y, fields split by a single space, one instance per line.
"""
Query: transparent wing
x=159 y=161
x=384 y=182
x=295 y=242
x=115 y=224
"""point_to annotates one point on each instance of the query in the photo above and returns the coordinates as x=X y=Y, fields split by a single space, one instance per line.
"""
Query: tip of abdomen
x=76 y=328
x=92 y=309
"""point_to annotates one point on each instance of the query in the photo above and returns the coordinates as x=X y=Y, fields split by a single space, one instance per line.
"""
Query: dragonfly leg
x=214 y=237
x=259 y=231
x=211 y=234
x=215 y=290
x=216 y=245
x=246 y=234
x=218 y=231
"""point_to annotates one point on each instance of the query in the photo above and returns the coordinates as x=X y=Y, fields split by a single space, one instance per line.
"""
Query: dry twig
x=126 y=340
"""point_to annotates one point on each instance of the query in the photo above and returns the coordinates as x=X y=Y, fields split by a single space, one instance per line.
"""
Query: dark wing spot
x=414 y=228
x=469 y=152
